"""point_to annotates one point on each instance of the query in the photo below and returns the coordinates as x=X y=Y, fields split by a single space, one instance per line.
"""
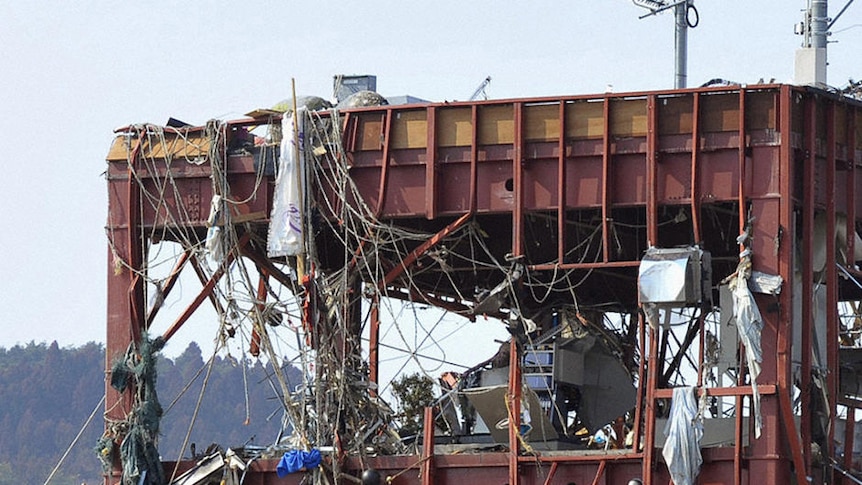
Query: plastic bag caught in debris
x=285 y=227
x=683 y=431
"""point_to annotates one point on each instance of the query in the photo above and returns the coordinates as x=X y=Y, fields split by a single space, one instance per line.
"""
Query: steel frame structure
x=777 y=155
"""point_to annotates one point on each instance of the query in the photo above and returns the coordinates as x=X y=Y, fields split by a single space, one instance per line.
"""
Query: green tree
x=413 y=392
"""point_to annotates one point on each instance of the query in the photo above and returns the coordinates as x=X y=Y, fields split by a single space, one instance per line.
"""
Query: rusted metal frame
x=422 y=248
x=514 y=409
x=649 y=421
x=384 y=170
x=474 y=157
x=265 y=264
x=135 y=246
x=206 y=290
x=374 y=342
x=642 y=385
x=743 y=221
x=690 y=334
x=414 y=295
x=849 y=437
x=695 y=169
x=568 y=458
x=600 y=472
x=431 y=163
x=850 y=179
x=567 y=266
x=350 y=131
x=808 y=201
x=168 y=286
x=606 y=178
x=551 y=473
x=518 y=182
x=202 y=277
x=257 y=327
x=561 y=187
x=428 y=447
x=652 y=171
x=786 y=268
x=762 y=389
x=831 y=284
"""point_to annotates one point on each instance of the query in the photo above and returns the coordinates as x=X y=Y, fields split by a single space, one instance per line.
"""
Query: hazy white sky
x=71 y=72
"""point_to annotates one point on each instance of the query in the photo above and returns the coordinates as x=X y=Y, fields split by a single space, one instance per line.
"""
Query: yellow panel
x=173 y=146
x=629 y=117
x=455 y=127
x=409 y=129
x=719 y=112
x=370 y=133
x=542 y=123
x=119 y=150
x=675 y=115
x=496 y=125
x=760 y=109
x=585 y=120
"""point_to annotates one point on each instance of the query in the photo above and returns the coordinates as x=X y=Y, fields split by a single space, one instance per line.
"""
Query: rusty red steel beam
x=606 y=178
x=551 y=473
x=561 y=186
x=428 y=447
x=420 y=250
x=832 y=285
x=374 y=342
x=808 y=202
x=600 y=264
x=384 y=170
x=431 y=164
x=518 y=181
x=695 y=167
x=651 y=172
x=169 y=284
x=786 y=252
x=639 y=414
x=599 y=472
x=649 y=417
x=849 y=438
x=474 y=157
x=743 y=221
x=206 y=290
x=514 y=411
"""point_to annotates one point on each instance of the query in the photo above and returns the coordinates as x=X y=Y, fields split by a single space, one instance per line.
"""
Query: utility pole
x=682 y=22
x=810 y=63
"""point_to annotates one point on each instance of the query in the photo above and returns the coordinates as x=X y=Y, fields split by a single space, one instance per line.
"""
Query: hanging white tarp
x=684 y=431
x=285 y=227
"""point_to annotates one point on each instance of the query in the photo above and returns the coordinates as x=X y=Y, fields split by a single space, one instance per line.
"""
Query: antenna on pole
x=686 y=16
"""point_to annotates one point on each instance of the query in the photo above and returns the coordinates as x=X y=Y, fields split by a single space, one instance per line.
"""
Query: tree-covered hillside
x=48 y=392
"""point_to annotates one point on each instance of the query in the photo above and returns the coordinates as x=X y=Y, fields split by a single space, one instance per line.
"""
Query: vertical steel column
x=831 y=286
x=374 y=341
x=743 y=221
x=431 y=163
x=652 y=239
x=125 y=290
x=850 y=179
x=642 y=384
x=518 y=182
x=514 y=409
x=384 y=170
x=786 y=268
x=561 y=187
x=606 y=178
x=695 y=168
x=808 y=201
x=428 y=447
x=849 y=436
x=474 y=157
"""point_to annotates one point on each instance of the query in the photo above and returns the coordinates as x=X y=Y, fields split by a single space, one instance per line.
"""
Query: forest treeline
x=47 y=393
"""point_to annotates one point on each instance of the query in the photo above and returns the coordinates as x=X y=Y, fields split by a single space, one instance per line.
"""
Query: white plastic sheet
x=285 y=227
x=749 y=324
x=684 y=431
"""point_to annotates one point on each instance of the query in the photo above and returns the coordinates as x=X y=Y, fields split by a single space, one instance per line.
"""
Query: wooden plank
x=496 y=125
x=455 y=127
x=585 y=120
x=409 y=129
x=542 y=122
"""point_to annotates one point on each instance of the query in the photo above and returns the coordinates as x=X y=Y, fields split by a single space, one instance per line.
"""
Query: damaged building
x=675 y=271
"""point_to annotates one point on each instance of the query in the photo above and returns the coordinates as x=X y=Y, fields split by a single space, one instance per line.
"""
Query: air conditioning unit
x=675 y=276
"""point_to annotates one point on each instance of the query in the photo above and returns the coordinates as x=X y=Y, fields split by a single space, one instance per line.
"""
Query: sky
x=72 y=72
